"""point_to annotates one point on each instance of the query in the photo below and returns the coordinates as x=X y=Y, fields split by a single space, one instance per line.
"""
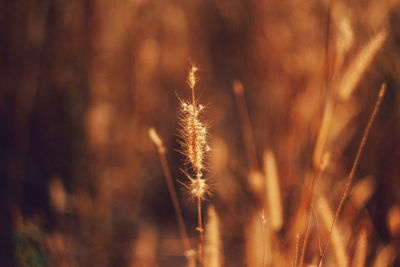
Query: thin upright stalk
x=353 y=168
x=265 y=240
x=200 y=223
x=175 y=203
x=307 y=234
x=201 y=235
x=297 y=251
x=195 y=147
x=305 y=207
x=246 y=126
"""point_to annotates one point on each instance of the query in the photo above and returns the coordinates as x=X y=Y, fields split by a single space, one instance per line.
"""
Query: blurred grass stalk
x=189 y=253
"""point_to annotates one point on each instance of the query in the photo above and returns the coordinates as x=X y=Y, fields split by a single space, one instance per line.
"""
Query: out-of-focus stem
x=296 y=251
x=355 y=164
x=246 y=126
x=307 y=234
x=178 y=212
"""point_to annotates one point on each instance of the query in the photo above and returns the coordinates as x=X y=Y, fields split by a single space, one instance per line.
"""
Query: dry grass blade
x=305 y=205
x=355 y=164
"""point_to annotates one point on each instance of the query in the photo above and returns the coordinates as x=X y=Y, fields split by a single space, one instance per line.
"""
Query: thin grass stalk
x=263 y=221
x=306 y=235
x=172 y=192
x=305 y=207
x=328 y=43
x=309 y=190
x=327 y=115
x=245 y=124
x=195 y=148
x=201 y=234
x=297 y=250
x=336 y=237
x=355 y=164
x=323 y=133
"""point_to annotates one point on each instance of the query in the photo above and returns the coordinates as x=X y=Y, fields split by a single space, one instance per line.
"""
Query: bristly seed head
x=198 y=187
x=194 y=138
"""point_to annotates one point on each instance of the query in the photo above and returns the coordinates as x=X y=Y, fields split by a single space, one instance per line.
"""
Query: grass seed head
x=193 y=138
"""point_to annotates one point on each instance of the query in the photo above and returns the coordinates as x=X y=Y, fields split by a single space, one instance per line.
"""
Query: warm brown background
x=82 y=81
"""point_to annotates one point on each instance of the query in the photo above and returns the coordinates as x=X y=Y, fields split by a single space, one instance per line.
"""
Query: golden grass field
x=200 y=133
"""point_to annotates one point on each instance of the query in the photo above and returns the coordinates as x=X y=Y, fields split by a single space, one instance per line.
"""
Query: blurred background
x=82 y=82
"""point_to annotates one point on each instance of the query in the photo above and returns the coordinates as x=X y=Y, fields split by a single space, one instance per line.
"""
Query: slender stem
x=353 y=168
x=265 y=241
x=307 y=234
x=327 y=58
x=246 y=126
x=198 y=177
x=305 y=206
x=175 y=203
x=197 y=169
x=201 y=236
x=193 y=98
x=297 y=250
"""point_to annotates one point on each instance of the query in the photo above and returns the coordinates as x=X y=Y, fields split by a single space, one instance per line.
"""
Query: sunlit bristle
x=194 y=143
x=193 y=136
x=198 y=188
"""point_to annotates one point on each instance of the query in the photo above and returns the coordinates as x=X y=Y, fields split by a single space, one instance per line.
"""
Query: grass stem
x=175 y=203
x=355 y=164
